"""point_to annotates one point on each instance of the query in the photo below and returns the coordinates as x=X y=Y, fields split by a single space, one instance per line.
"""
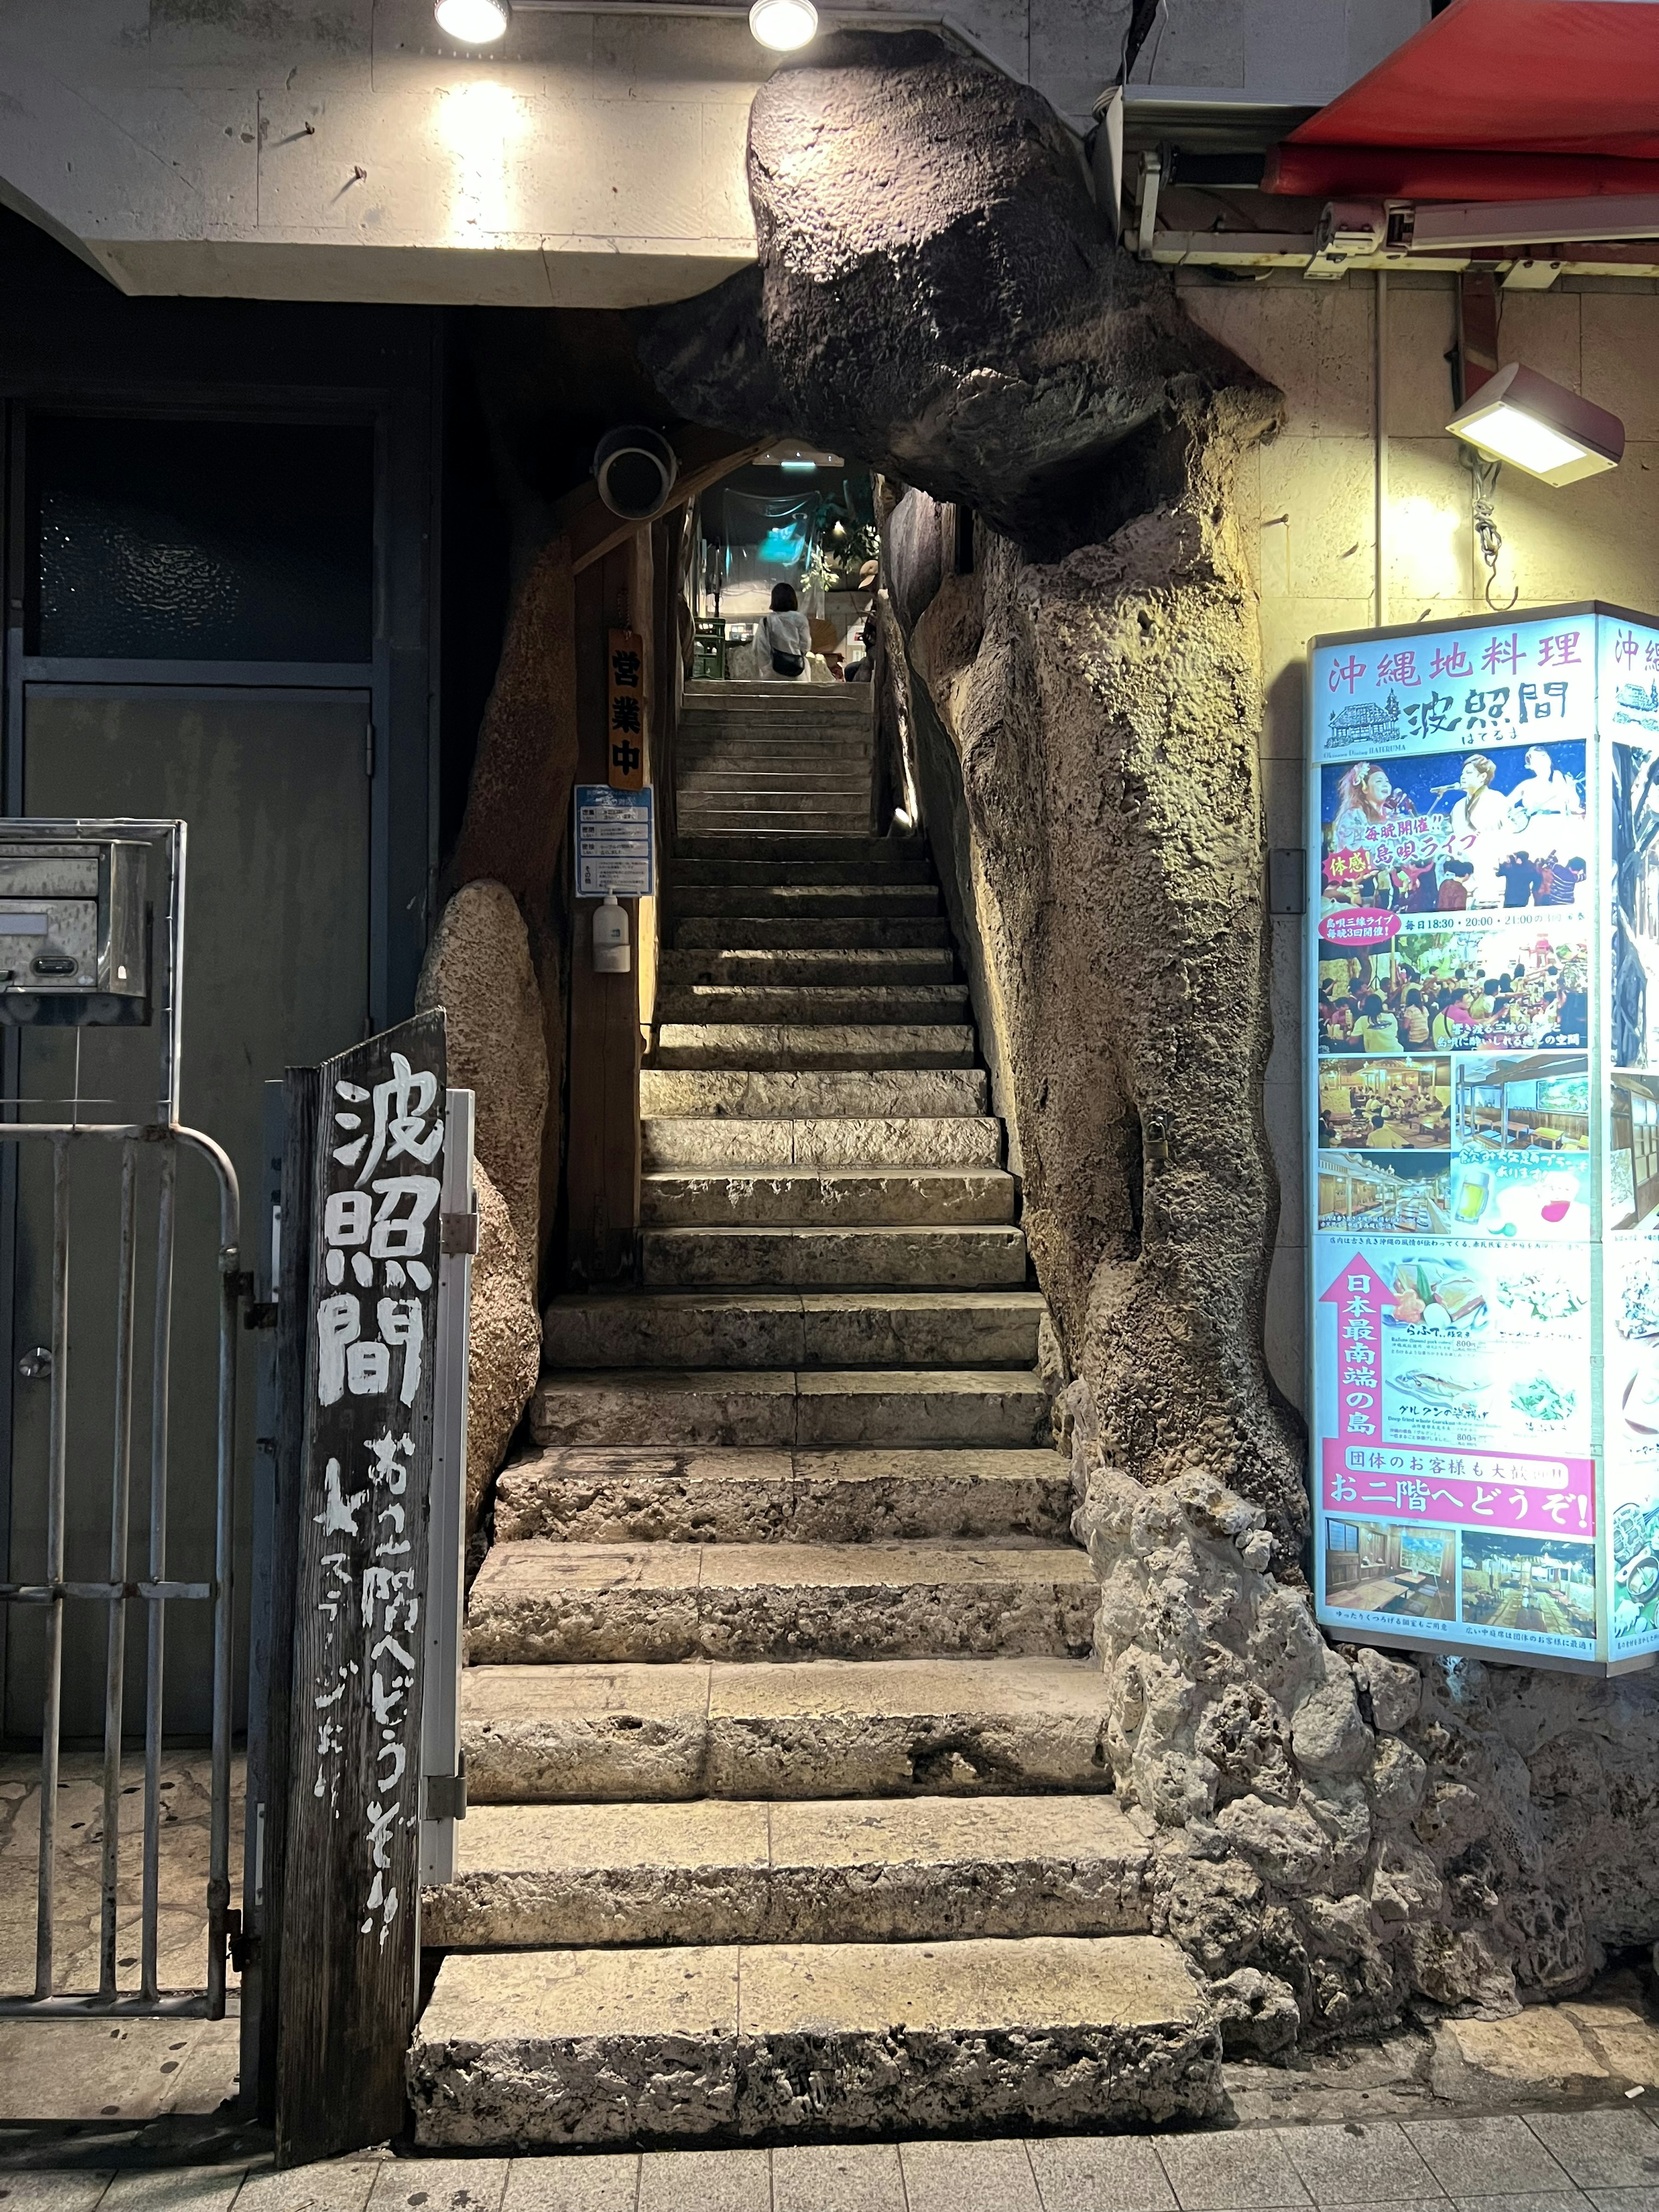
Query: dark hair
x=784 y=601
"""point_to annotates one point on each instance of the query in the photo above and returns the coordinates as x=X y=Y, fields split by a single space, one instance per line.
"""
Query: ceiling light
x=473 y=23
x=1539 y=426
x=783 y=25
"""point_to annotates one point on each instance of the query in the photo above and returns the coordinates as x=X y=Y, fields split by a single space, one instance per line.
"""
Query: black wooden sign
x=352 y=1856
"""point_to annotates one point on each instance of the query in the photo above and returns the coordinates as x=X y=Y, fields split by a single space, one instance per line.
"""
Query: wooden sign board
x=625 y=710
x=350 y=1907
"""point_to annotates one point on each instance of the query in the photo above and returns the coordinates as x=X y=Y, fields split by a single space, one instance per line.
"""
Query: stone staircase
x=781 y=758
x=790 y=1803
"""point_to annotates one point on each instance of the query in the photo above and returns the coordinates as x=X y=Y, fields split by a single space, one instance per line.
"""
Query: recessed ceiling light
x=783 y=25
x=473 y=23
x=1519 y=416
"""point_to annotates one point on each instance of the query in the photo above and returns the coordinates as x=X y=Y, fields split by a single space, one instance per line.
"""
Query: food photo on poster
x=1455 y=832
x=1504 y=985
x=1525 y=1196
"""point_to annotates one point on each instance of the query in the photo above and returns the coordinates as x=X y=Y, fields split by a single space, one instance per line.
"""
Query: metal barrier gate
x=77 y=902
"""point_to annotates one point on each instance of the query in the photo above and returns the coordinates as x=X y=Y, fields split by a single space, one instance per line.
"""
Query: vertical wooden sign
x=351 y=1916
x=626 y=706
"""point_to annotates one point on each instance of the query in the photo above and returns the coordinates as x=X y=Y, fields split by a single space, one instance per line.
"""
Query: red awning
x=1561 y=96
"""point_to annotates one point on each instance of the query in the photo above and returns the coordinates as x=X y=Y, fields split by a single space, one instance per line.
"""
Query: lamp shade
x=1538 y=426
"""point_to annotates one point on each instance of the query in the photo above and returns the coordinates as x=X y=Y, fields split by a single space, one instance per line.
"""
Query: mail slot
x=74 y=931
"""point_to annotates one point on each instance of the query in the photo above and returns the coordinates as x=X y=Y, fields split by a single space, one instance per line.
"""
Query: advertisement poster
x=1483 y=1126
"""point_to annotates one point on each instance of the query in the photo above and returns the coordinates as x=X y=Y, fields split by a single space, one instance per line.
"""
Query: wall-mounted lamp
x=473 y=23
x=783 y=25
x=1538 y=425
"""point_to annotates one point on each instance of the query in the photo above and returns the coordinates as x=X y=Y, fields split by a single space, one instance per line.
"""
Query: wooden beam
x=603 y=1161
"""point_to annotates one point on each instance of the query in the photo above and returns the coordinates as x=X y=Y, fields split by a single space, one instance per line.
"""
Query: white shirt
x=782 y=633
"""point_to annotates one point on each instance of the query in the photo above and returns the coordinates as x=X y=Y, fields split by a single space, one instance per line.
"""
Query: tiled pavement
x=1545 y=2162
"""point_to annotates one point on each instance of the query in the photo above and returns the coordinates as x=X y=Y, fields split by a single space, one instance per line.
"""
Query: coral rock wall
x=1337 y=1831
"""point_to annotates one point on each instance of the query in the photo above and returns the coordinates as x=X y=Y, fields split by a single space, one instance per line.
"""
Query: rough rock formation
x=477 y=968
x=505 y=1340
x=942 y=302
x=934 y=293
x=1336 y=1830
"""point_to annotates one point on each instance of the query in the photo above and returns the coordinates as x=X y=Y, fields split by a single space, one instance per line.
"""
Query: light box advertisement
x=1482 y=997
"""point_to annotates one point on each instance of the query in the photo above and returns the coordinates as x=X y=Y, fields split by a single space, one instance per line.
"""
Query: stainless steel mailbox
x=74 y=930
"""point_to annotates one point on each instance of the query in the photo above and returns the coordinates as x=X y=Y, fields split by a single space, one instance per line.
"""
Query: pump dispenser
x=611 y=956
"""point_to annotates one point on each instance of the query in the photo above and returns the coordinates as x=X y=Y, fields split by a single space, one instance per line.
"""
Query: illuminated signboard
x=1482 y=994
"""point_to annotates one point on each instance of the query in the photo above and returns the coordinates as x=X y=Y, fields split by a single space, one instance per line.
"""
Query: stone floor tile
x=44 y=2190
x=1099 y=2173
x=337 y=2185
x=1601 y=2149
x=1537 y=2200
x=440 y=2185
x=969 y=2177
x=174 y=2189
x=1357 y=2165
x=1485 y=2158
x=332 y=2187
x=1242 y=2172
x=604 y=2184
x=838 y=2177
x=705 y=2181
x=1625 y=2200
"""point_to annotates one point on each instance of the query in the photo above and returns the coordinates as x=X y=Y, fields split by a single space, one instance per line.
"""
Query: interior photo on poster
x=1453 y=832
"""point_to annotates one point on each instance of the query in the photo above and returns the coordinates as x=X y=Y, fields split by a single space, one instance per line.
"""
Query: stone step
x=868 y=1870
x=538 y=1603
x=806 y=964
x=804 y=1729
x=902 y=856
x=856 y=934
x=955 y=1258
x=742 y=824
x=814 y=1094
x=957 y=1141
x=618 y=1494
x=775 y=2040
x=730 y=784
x=709 y=695
x=901 y=1408
x=793 y=1328
x=759 y=1045
x=908 y=864
x=804 y=1004
x=850 y=815
x=824 y=1198
x=830 y=902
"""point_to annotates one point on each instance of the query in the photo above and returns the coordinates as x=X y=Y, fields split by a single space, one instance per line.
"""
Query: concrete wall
x=343 y=149
x=1307 y=500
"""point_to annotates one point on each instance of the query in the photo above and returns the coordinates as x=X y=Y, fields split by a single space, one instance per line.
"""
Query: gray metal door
x=275 y=790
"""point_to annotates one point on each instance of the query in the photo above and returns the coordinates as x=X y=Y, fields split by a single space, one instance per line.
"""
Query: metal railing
x=154 y=1590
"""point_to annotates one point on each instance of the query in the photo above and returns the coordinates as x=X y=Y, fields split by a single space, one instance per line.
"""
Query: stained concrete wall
x=343 y=149
x=1307 y=501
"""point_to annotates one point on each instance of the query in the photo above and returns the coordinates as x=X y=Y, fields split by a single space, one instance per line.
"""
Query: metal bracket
x=445 y=1795
x=459 y=1235
x=1287 y=880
